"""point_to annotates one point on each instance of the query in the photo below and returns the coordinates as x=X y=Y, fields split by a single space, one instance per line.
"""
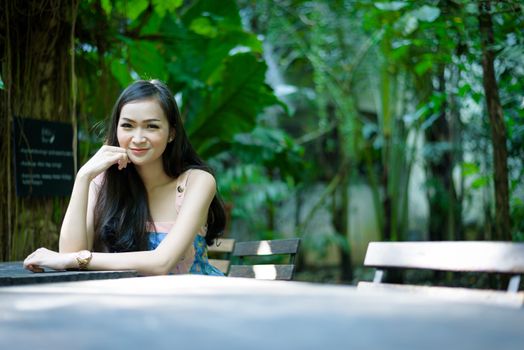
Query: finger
x=128 y=156
x=29 y=264
x=29 y=259
x=35 y=268
x=114 y=149
x=114 y=158
x=122 y=162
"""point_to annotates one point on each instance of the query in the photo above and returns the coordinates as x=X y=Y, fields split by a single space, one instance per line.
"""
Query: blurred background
x=337 y=121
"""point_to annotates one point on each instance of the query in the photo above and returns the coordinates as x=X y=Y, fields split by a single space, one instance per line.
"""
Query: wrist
x=82 y=259
x=83 y=176
x=70 y=261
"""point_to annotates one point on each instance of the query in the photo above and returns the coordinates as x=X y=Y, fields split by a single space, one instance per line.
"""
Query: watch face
x=84 y=254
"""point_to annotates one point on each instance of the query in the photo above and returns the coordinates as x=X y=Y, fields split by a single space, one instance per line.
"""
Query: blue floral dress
x=194 y=261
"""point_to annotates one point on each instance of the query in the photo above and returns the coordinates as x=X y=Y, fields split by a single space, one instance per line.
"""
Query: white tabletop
x=175 y=312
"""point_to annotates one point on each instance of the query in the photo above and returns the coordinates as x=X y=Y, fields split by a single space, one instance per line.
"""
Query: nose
x=138 y=136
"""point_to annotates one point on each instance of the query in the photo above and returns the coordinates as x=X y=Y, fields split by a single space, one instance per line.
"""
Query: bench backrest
x=499 y=257
x=265 y=248
x=489 y=257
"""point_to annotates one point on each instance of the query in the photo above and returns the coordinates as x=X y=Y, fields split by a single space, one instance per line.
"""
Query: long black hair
x=121 y=214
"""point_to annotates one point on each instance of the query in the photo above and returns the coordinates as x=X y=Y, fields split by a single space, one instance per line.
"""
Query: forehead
x=143 y=110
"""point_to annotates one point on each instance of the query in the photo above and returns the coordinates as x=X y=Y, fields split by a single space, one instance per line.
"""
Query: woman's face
x=143 y=130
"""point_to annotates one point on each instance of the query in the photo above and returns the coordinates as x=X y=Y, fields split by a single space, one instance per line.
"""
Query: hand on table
x=44 y=257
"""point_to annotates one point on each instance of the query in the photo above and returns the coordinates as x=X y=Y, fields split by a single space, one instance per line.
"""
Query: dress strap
x=181 y=189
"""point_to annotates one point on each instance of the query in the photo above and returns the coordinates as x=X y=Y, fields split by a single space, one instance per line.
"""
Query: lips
x=138 y=151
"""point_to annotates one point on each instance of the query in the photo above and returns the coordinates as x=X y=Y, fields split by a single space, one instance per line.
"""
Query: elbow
x=68 y=247
x=161 y=266
x=157 y=271
x=68 y=243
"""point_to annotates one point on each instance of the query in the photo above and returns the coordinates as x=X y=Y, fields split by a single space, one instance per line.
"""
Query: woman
x=145 y=201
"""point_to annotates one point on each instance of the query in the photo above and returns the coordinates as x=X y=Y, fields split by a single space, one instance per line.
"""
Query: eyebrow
x=145 y=121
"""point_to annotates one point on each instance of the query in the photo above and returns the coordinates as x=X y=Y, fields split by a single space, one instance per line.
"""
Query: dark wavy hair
x=121 y=213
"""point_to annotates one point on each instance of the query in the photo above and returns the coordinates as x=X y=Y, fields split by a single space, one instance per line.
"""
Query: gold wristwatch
x=83 y=258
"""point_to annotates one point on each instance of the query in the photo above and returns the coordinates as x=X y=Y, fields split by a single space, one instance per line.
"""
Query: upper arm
x=199 y=192
x=91 y=202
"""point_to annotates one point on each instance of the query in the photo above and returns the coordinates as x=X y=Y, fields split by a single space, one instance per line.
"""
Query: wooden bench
x=220 y=253
x=487 y=257
x=265 y=248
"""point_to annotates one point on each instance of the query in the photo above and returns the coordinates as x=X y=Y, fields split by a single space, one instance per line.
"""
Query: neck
x=153 y=175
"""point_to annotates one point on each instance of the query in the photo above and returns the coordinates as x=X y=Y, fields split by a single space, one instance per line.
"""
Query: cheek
x=122 y=140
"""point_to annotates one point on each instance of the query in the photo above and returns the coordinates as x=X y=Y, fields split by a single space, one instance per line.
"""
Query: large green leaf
x=107 y=6
x=224 y=13
x=147 y=60
x=204 y=26
x=120 y=72
x=162 y=7
x=232 y=105
x=132 y=8
x=271 y=147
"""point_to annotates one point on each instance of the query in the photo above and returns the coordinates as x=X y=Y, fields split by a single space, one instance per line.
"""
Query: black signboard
x=44 y=164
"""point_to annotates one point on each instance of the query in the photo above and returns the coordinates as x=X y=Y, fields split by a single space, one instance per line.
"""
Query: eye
x=153 y=126
x=126 y=125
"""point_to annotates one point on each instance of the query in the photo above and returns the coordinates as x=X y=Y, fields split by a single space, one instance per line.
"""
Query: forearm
x=145 y=262
x=160 y=261
x=73 y=234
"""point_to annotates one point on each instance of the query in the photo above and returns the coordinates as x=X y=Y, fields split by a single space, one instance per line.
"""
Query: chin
x=138 y=162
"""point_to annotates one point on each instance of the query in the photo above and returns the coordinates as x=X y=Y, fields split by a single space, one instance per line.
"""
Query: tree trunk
x=36 y=66
x=440 y=187
x=340 y=217
x=386 y=130
x=498 y=128
x=457 y=156
x=386 y=204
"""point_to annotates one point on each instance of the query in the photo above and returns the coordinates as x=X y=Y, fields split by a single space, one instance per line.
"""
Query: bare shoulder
x=197 y=178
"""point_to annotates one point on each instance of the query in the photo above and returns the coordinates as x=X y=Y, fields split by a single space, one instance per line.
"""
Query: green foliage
x=232 y=106
x=272 y=148
x=320 y=242
x=428 y=38
x=261 y=169
x=163 y=7
x=412 y=44
x=517 y=215
x=329 y=52
x=215 y=68
x=391 y=6
x=222 y=90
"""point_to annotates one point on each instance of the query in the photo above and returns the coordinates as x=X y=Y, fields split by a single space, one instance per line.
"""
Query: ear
x=171 y=135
